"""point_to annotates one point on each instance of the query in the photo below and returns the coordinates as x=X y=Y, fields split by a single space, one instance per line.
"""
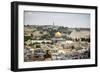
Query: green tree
x=46 y=36
x=37 y=46
x=27 y=38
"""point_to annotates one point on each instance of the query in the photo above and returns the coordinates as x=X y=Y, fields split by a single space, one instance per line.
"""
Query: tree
x=46 y=36
x=43 y=42
x=73 y=47
x=27 y=38
x=37 y=46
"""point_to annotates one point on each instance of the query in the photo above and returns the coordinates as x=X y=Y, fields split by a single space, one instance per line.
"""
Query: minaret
x=53 y=23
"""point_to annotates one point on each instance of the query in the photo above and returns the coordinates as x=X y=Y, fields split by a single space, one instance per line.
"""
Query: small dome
x=57 y=34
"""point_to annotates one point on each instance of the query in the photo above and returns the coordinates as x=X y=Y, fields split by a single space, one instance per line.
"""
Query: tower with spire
x=53 y=23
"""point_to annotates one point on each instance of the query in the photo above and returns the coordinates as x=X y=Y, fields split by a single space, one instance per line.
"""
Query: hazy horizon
x=71 y=20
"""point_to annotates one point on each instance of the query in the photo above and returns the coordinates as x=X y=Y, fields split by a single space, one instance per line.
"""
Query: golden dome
x=57 y=34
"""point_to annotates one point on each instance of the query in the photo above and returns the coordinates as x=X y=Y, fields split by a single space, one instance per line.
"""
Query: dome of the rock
x=57 y=34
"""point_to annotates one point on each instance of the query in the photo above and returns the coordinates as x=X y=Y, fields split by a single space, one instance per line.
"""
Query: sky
x=71 y=20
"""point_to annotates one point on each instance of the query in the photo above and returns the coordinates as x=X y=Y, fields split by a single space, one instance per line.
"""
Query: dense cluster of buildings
x=57 y=47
